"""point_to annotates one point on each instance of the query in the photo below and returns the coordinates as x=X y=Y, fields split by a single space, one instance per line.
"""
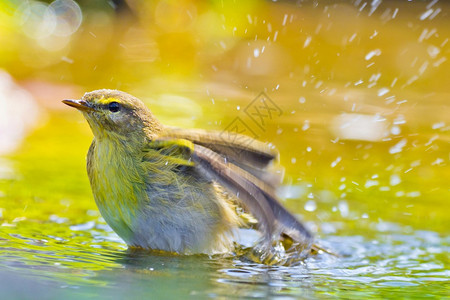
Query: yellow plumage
x=175 y=190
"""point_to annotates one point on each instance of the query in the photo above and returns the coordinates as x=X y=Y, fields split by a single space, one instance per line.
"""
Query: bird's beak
x=78 y=104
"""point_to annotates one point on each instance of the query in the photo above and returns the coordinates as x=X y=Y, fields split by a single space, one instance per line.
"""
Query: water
x=94 y=263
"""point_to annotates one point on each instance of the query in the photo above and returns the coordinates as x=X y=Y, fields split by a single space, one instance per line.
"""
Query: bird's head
x=116 y=115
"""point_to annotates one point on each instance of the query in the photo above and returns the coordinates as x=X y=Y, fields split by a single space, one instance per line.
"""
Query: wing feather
x=255 y=195
x=249 y=154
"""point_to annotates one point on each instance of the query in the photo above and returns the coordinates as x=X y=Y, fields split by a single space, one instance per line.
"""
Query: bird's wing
x=249 y=154
x=256 y=196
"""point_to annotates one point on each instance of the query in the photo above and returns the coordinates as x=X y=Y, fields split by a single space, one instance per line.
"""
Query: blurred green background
x=364 y=133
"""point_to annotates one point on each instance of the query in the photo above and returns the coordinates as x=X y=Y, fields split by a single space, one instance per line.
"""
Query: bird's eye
x=114 y=107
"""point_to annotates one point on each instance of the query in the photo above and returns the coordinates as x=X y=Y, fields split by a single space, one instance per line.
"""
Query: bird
x=184 y=191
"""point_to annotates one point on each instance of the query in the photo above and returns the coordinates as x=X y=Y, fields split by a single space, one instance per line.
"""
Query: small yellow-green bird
x=179 y=190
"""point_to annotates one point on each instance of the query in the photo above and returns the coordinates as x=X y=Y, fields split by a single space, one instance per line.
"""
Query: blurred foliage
x=320 y=40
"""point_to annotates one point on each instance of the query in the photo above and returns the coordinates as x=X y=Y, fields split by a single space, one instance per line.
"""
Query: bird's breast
x=150 y=205
x=117 y=186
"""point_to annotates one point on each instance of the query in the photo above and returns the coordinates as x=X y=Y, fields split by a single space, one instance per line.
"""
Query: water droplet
x=398 y=147
x=310 y=205
x=307 y=42
x=437 y=162
x=336 y=161
x=413 y=194
x=305 y=125
x=67 y=60
x=400 y=194
x=382 y=92
x=426 y=14
x=438 y=125
x=284 y=20
x=395 y=130
x=394 y=180
x=371 y=54
x=370 y=183
x=343 y=208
